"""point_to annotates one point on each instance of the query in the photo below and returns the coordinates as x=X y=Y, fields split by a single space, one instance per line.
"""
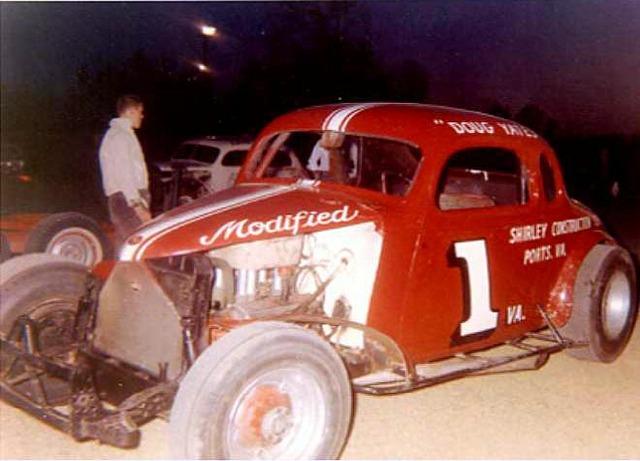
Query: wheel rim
x=280 y=414
x=77 y=244
x=616 y=305
x=54 y=323
x=55 y=320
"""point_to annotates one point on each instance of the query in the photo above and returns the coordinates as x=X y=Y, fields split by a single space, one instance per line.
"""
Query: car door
x=467 y=284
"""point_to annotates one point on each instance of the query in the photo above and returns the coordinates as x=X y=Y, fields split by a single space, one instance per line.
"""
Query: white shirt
x=319 y=159
x=122 y=162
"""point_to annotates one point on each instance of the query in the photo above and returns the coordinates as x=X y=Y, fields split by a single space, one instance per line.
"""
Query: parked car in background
x=73 y=235
x=375 y=248
x=198 y=167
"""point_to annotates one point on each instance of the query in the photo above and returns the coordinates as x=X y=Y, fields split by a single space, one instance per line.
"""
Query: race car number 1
x=481 y=317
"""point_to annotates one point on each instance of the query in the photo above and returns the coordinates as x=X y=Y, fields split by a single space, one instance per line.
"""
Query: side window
x=184 y=151
x=234 y=158
x=548 y=181
x=481 y=178
x=205 y=154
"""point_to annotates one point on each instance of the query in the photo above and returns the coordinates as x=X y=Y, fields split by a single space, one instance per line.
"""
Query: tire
x=269 y=389
x=605 y=305
x=72 y=235
x=46 y=288
x=5 y=248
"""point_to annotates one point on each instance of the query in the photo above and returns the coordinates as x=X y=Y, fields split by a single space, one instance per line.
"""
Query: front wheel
x=605 y=305
x=45 y=289
x=268 y=390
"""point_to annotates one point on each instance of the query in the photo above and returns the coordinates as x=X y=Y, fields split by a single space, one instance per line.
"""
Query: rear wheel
x=267 y=390
x=605 y=305
x=73 y=235
x=46 y=289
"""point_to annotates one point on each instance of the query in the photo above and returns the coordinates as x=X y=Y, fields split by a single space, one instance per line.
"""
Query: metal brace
x=554 y=330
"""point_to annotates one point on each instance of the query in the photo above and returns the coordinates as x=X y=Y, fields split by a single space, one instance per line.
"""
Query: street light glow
x=208 y=31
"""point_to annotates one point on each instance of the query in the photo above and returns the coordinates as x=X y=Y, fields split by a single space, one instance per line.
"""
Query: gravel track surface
x=567 y=409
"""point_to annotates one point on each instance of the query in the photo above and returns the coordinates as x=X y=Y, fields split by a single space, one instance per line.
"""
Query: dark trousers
x=123 y=217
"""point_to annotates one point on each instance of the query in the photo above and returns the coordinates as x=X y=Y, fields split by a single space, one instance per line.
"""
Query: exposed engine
x=160 y=314
x=267 y=278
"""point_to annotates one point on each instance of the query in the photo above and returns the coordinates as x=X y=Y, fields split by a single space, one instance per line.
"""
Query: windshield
x=378 y=164
x=198 y=152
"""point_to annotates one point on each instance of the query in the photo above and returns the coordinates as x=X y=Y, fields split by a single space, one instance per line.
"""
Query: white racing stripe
x=340 y=118
x=158 y=230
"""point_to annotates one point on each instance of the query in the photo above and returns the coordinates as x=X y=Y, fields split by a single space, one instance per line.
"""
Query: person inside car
x=329 y=160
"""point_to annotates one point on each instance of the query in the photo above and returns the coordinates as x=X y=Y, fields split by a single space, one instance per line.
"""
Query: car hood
x=245 y=213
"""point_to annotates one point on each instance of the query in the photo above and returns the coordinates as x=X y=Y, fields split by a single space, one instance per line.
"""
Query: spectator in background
x=124 y=172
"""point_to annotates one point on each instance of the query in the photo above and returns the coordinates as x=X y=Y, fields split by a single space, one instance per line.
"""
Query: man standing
x=124 y=172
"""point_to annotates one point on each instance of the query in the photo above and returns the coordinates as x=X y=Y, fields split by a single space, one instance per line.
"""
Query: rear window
x=480 y=178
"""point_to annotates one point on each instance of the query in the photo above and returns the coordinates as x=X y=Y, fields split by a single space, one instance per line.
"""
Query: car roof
x=221 y=142
x=421 y=124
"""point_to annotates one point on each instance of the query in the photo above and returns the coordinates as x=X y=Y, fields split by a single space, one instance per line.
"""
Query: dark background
x=570 y=70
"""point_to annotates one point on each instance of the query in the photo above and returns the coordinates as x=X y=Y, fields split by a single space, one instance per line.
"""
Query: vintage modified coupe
x=376 y=248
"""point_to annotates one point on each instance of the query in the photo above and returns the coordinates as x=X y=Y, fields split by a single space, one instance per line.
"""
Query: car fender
x=103 y=269
x=560 y=302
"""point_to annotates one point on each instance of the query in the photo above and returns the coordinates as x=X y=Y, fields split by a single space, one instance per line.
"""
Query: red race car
x=376 y=248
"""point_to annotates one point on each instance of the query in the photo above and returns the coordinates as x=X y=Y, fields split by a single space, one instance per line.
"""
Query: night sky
x=578 y=60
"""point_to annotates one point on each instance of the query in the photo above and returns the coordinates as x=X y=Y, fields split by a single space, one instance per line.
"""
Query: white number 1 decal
x=481 y=317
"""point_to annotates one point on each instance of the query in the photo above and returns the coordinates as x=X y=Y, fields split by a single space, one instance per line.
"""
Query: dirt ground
x=568 y=409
